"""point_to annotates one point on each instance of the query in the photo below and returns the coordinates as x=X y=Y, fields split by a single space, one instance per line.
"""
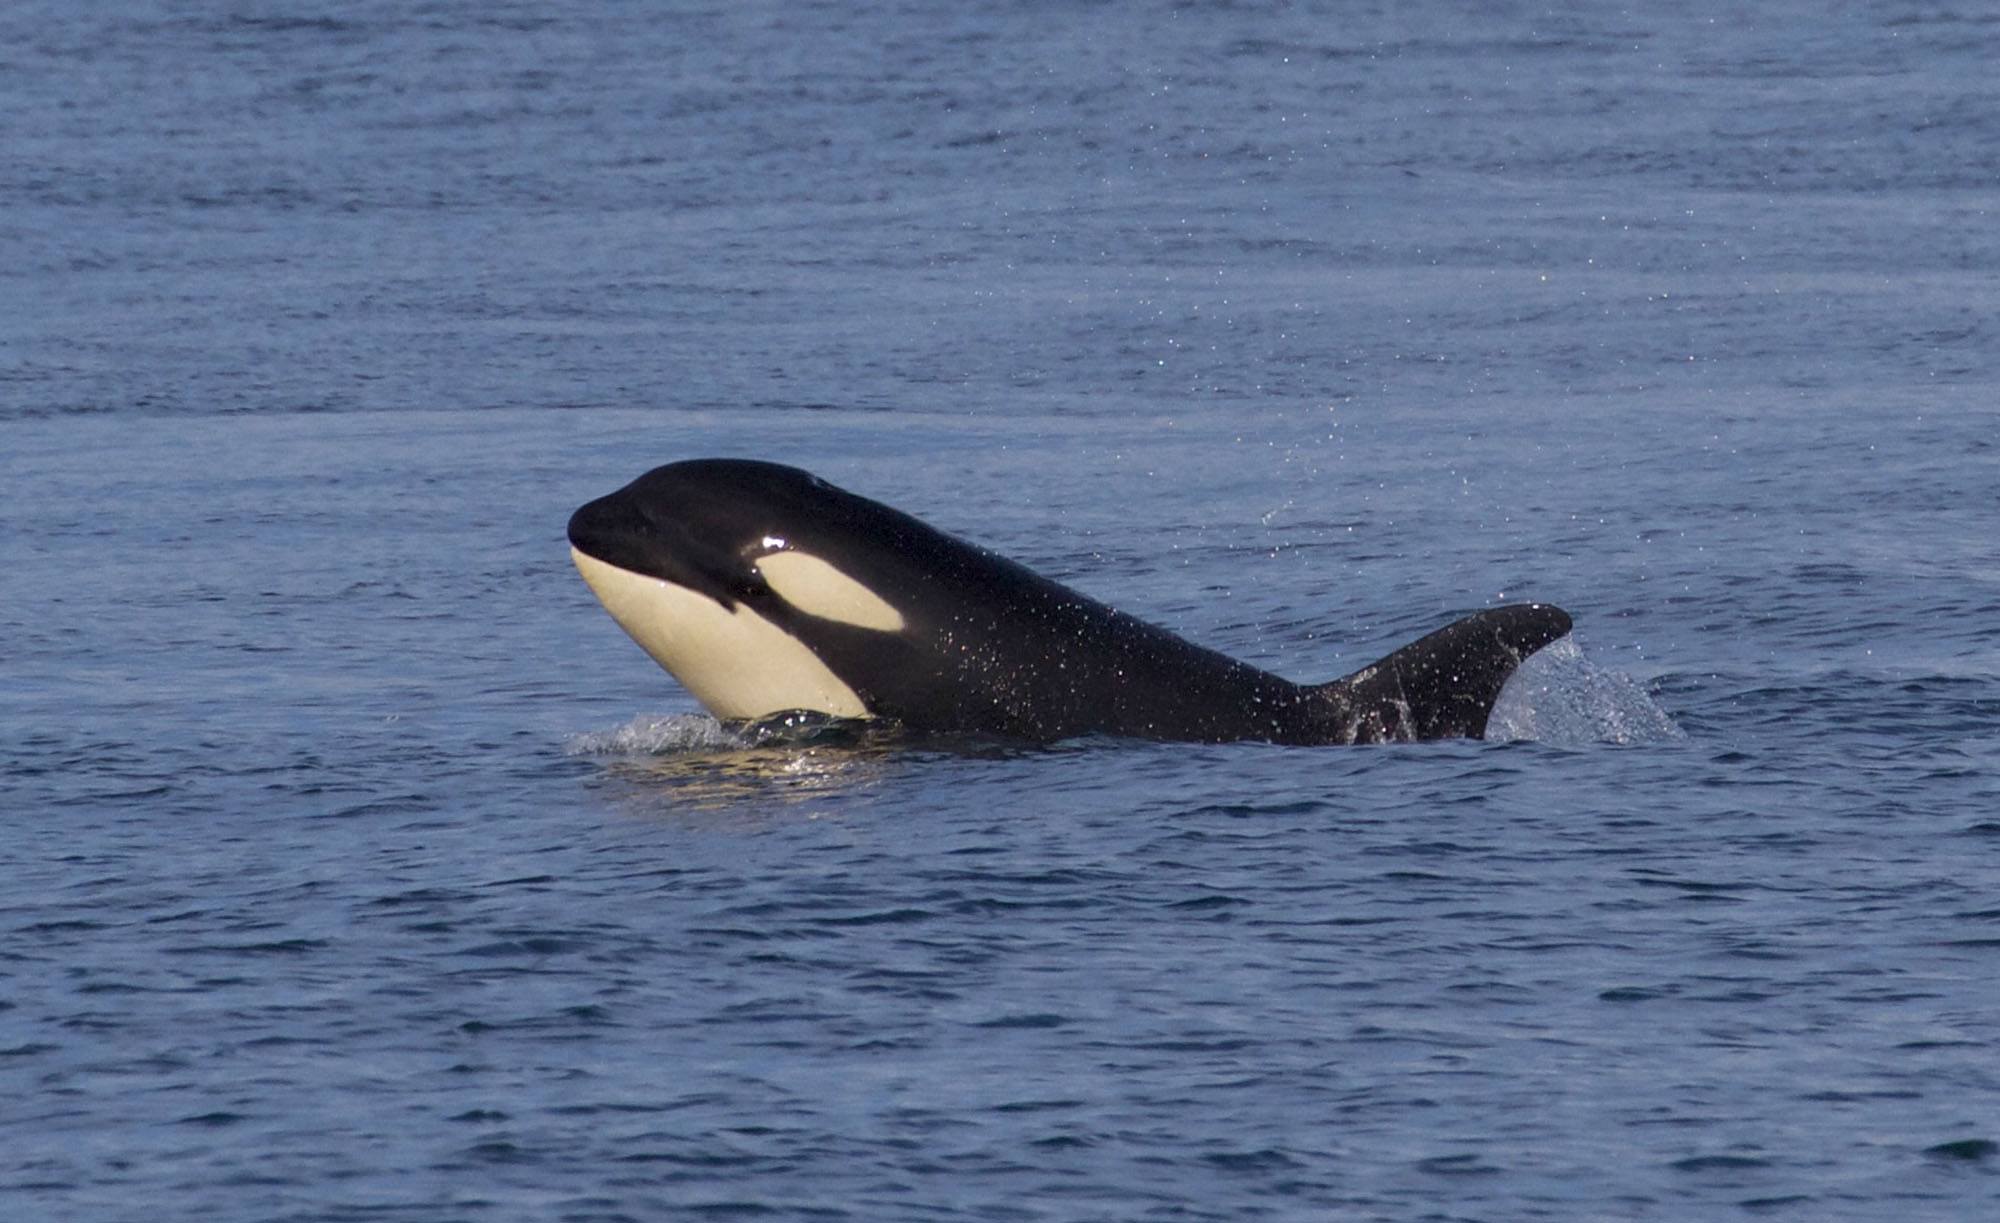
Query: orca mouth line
x=611 y=529
x=615 y=531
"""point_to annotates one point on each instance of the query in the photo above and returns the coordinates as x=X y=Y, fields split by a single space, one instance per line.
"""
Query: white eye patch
x=818 y=589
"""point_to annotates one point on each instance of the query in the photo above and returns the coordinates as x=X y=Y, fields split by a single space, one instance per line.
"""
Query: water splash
x=684 y=762
x=674 y=734
x=1559 y=696
x=693 y=734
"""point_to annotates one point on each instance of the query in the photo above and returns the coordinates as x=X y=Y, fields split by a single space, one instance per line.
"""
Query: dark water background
x=356 y=867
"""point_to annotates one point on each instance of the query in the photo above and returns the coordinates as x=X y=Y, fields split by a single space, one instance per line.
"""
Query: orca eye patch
x=817 y=588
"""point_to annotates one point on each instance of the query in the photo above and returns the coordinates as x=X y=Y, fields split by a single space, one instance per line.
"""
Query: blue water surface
x=358 y=868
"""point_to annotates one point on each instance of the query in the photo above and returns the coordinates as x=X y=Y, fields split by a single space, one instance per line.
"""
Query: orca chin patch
x=739 y=665
x=817 y=588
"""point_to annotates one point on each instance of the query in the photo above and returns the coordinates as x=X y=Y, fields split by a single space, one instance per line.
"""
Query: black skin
x=989 y=647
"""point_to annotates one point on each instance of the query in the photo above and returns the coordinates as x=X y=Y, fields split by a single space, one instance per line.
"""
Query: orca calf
x=765 y=590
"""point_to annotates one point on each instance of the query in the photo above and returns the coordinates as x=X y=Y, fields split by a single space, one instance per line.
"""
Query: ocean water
x=357 y=867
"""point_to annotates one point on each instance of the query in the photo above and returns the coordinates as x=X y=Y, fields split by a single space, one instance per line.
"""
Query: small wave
x=1559 y=696
x=671 y=734
x=686 y=734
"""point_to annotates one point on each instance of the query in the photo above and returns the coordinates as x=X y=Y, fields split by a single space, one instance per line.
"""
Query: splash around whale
x=765 y=590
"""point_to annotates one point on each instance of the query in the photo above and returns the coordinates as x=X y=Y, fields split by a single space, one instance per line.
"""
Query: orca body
x=766 y=590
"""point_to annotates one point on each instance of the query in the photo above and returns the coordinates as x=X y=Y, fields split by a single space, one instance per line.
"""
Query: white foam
x=697 y=734
x=673 y=734
x=1560 y=696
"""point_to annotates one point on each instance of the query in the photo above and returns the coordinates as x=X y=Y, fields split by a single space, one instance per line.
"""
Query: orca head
x=719 y=569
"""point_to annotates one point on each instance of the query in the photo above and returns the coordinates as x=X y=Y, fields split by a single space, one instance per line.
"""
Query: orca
x=767 y=591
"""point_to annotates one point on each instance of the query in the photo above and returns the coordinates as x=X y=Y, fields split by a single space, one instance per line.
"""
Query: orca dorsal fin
x=1441 y=686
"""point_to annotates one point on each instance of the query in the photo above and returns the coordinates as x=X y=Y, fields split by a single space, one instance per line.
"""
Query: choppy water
x=357 y=867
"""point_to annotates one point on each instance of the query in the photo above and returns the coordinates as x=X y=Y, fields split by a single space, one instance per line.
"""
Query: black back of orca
x=942 y=636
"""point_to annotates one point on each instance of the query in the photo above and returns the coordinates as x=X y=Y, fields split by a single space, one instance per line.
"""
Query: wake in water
x=671 y=734
x=1559 y=696
x=688 y=734
x=701 y=762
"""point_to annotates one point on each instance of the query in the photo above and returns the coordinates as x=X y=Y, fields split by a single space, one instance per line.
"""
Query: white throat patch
x=736 y=663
